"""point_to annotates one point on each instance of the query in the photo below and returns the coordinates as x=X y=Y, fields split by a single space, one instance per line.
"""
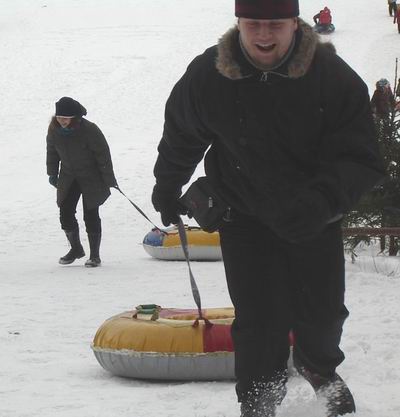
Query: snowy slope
x=121 y=58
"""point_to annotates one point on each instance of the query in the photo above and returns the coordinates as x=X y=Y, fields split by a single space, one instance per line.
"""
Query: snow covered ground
x=120 y=58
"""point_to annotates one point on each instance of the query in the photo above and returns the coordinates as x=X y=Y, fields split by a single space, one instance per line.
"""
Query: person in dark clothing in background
x=79 y=163
x=382 y=101
x=289 y=138
x=392 y=7
x=397 y=16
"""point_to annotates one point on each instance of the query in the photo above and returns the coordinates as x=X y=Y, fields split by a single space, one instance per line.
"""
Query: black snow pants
x=68 y=210
x=275 y=287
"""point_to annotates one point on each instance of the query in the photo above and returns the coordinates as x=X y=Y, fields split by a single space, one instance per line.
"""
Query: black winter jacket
x=276 y=139
x=83 y=156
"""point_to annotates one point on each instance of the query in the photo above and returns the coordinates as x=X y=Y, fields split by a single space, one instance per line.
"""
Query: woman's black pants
x=68 y=210
x=275 y=287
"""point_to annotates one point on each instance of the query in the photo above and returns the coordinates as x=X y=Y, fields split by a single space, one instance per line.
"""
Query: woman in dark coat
x=382 y=101
x=78 y=163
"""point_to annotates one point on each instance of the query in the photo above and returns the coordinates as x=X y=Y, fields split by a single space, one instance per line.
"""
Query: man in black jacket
x=290 y=144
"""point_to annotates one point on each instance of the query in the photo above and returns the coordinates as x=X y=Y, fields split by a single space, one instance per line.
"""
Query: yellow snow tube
x=166 y=245
x=170 y=344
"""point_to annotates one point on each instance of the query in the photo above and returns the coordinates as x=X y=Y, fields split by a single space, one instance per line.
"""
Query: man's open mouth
x=264 y=47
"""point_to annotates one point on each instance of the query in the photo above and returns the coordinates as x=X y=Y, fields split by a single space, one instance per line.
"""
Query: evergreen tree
x=381 y=206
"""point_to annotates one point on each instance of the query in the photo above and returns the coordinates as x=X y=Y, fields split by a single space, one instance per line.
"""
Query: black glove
x=168 y=205
x=301 y=218
x=53 y=179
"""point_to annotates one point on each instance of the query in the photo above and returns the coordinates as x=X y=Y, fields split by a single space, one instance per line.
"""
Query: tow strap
x=184 y=243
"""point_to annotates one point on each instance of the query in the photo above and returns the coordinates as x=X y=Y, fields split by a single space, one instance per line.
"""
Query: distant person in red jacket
x=323 y=20
x=397 y=17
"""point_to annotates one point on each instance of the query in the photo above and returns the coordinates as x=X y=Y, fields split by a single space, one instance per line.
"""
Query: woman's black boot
x=94 y=243
x=76 y=250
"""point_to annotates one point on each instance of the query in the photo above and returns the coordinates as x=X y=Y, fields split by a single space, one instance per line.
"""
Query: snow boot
x=339 y=400
x=76 y=250
x=263 y=400
x=94 y=243
x=334 y=391
x=256 y=410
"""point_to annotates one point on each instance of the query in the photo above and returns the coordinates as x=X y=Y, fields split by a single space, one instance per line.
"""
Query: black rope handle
x=193 y=284
x=140 y=210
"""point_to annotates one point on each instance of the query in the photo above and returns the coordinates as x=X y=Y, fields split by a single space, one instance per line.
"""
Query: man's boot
x=76 y=250
x=257 y=410
x=333 y=390
x=339 y=400
x=263 y=400
x=94 y=243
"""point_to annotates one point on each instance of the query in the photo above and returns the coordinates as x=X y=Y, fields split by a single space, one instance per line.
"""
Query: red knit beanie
x=267 y=9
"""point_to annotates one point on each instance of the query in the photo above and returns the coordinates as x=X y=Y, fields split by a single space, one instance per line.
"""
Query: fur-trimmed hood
x=299 y=63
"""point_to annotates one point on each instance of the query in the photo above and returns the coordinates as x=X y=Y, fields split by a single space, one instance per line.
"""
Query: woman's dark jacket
x=382 y=102
x=282 y=142
x=85 y=157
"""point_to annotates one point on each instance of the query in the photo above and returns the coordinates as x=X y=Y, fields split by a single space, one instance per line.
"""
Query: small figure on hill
x=78 y=163
x=396 y=13
x=323 y=21
x=397 y=96
x=398 y=89
x=383 y=100
x=392 y=7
